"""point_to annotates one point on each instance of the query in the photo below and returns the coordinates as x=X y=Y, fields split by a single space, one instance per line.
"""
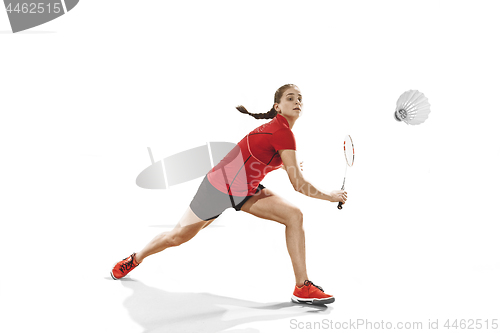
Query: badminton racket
x=349 y=159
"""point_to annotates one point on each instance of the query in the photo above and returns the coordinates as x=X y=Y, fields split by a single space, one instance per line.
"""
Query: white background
x=82 y=97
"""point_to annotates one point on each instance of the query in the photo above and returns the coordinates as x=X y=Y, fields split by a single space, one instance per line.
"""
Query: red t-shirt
x=240 y=172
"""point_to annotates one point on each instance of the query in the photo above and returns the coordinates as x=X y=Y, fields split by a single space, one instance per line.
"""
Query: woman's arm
x=301 y=166
x=301 y=185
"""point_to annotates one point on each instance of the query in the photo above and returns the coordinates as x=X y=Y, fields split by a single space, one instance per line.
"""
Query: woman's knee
x=176 y=240
x=295 y=217
x=181 y=235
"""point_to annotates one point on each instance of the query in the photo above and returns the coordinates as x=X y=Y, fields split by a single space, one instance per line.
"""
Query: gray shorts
x=208 y=203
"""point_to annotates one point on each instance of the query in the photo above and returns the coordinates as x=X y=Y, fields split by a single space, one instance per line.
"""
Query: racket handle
x=339 y=206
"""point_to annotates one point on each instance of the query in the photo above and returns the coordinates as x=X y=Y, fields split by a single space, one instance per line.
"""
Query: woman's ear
x=276 y=107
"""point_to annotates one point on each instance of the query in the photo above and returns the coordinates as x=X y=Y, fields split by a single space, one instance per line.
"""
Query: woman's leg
x=270 y=206
x=187 y=228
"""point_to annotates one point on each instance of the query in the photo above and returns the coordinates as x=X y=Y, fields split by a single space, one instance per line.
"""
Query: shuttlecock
x=412 y=107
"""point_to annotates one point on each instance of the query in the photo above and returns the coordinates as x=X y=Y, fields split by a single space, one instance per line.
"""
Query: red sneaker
x=311 y=294
x=124 y=267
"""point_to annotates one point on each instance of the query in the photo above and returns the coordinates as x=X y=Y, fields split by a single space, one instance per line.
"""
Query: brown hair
x=271 y=113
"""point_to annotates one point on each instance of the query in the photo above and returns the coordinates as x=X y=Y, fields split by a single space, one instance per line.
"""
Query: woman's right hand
x=339 y=196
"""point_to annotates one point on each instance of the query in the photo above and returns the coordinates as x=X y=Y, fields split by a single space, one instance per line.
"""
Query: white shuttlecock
x=412 y=107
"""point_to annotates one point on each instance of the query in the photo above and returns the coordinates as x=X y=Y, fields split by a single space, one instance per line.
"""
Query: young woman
x=235 y=182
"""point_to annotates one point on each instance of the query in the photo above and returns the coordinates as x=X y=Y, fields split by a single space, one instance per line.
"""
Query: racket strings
x=349 y=156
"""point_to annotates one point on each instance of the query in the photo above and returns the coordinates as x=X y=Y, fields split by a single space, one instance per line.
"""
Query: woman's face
x=290 y=104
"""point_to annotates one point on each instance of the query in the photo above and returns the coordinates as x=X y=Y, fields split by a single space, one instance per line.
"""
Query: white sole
x=313 y=301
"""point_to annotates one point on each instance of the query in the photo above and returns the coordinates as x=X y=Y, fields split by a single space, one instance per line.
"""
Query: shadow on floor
x=171 y=226
x=157 y=310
